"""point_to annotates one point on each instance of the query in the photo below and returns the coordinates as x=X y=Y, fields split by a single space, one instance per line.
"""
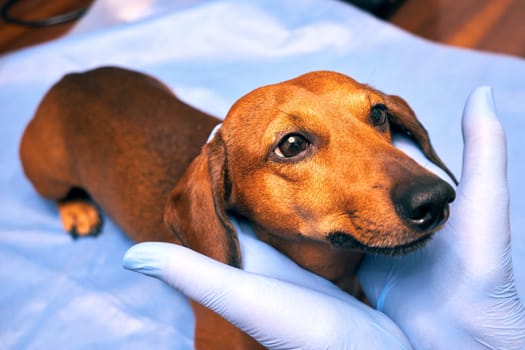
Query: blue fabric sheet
x=62 y=294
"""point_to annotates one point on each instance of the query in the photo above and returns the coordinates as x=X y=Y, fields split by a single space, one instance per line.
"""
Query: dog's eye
x=379 y=115
x=291 y=145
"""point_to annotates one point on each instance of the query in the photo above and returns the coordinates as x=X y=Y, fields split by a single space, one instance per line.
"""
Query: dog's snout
x=423 y=203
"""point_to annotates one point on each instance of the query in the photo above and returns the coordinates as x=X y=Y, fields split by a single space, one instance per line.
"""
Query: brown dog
x=309 y=162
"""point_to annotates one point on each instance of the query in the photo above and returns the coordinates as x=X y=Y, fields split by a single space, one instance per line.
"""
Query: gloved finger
x=481 y=218
x=280 y=315
x=484 y=156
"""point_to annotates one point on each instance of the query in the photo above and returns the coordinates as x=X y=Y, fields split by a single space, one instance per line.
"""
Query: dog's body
x=309 y=162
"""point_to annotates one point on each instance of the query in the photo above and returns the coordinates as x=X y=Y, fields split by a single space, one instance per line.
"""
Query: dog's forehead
x=312 y=93
x=321 y=82
x=305 y=103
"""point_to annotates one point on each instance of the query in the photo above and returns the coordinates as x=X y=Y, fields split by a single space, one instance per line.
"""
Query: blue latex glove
x=459 y=291
x=274 y=300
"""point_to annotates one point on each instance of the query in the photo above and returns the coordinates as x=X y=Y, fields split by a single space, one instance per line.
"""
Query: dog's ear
x=403 y=120
x=196 y=212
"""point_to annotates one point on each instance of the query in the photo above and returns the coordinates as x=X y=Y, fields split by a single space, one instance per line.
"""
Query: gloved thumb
x=482 y=194
x=484 y=160
x=249 y=301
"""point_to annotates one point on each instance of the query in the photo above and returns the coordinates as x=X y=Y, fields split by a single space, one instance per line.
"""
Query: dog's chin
x=345 y=241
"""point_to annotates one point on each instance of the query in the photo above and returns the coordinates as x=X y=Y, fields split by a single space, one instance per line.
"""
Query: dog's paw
x=80 y=218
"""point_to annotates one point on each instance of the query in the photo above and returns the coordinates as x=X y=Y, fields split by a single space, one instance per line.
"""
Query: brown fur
x=140 y=154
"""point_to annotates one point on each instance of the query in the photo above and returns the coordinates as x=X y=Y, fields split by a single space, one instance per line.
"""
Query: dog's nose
x=424 y=202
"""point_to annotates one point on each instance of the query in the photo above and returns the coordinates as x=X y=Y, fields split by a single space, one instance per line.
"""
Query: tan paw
x=80 y=217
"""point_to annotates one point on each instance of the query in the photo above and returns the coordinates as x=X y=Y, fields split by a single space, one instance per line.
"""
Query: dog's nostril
x=422 y=215
x=428 y=216
x=424 y=203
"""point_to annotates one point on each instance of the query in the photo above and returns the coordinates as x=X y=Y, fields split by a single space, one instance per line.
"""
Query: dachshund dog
x=308 y=162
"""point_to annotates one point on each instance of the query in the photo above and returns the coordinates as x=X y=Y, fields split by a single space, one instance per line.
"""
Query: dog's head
x=312 y=158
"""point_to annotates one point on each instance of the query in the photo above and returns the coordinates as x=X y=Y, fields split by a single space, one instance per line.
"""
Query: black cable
x=38 y=23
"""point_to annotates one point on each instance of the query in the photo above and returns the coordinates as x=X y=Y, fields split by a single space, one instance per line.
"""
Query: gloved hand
x=459 y=291
x=274 y=300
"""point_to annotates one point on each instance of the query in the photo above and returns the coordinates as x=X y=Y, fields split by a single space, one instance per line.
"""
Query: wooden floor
x=13 y=37
x=491 y=25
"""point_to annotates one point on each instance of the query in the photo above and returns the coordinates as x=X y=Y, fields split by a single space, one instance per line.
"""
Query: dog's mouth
x=343 y=240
